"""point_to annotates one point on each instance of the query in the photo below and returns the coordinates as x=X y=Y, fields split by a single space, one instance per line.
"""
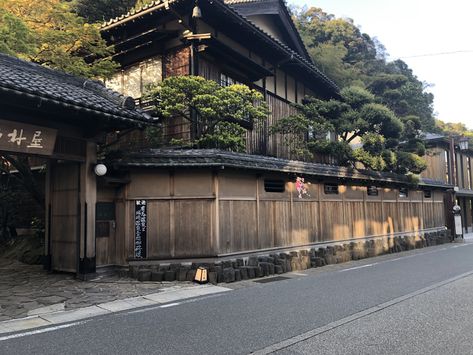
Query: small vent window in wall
x=274 y=185
x=331 y=189
x=427 y=194
x=403 y=192
x=372 y=191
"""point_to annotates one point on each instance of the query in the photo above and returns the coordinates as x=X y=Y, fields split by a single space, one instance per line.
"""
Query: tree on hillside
x=220 y=116
x=400 y=90
x=384 y=142
x=102 y=10
x=52 y=35
x=351 y=57
x=15 y=37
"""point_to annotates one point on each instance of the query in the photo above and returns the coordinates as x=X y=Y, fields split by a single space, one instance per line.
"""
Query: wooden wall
x=201 y=214
x=436 y=165
x=64 y=198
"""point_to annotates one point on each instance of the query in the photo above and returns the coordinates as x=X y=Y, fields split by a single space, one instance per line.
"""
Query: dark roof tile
x=172 y=158
x=26 y=78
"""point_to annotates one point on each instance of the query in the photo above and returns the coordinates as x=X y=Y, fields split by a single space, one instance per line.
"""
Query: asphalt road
x=256 y=316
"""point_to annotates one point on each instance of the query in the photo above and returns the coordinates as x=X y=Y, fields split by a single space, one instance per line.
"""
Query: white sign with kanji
x=18 y=137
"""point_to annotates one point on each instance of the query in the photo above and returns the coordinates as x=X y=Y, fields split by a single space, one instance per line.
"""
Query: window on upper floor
x=447 y=170
x=133 y=80
x=226 y=80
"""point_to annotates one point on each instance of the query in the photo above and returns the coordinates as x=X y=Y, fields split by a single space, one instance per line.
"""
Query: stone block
x=244 y=272
x=251 y=272
x=213 y=277
x=278 y=269
x=330 y=259
x=181 y=274
x=229 y=274
x=317 y=262
x=288 y=265
x=283 y=266
x=252 y=261
x=144 y=275
x=134 y=272
x=220 y=277
x=265 y=268
x=237 y=275
x=157 y=276
x=240 y=262
x=258 y=271
x=271 y=268
x=170 y=275
x=190 y=275
x=174 y=266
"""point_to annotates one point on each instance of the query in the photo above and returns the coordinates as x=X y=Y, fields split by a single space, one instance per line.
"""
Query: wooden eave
x=231 y=59
x=140 y=46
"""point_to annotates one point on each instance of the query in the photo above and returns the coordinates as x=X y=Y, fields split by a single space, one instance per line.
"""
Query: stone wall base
x=250 y=267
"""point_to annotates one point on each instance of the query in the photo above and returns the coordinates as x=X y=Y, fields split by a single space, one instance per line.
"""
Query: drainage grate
x=272 y=279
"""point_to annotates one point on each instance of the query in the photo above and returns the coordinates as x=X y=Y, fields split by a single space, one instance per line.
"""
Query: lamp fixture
x=100 y=169
x=196 y=11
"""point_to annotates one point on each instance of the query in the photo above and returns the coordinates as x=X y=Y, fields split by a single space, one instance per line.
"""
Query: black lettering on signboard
x=140 y=228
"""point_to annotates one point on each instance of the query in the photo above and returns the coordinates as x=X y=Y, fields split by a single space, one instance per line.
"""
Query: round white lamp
x=100 y=170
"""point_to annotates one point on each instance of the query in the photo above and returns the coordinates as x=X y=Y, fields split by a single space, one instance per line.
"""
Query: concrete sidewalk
x=28 y=290
x=48 y=316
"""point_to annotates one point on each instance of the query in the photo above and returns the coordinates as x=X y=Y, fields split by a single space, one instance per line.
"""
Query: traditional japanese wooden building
x=195 y=204
x=60 y=118
x=449 y=162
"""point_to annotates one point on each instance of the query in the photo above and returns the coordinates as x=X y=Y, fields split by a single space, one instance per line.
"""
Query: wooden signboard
x=17 y=137
x=458 y=225
x=140 y=229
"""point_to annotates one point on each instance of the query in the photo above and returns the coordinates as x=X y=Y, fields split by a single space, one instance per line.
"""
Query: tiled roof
x=230 y=2
x=199 y=158
x=427 y=136
x=155 y=5
x=33 y=80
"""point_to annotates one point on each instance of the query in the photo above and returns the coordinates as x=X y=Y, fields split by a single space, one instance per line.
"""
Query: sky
x=417 y=31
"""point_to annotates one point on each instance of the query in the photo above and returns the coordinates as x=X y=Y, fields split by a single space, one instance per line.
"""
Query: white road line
x=39 y=331
x=357 y=267
x=170 y=305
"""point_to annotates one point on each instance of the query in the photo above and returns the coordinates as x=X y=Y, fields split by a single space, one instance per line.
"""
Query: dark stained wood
x=64 y=216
